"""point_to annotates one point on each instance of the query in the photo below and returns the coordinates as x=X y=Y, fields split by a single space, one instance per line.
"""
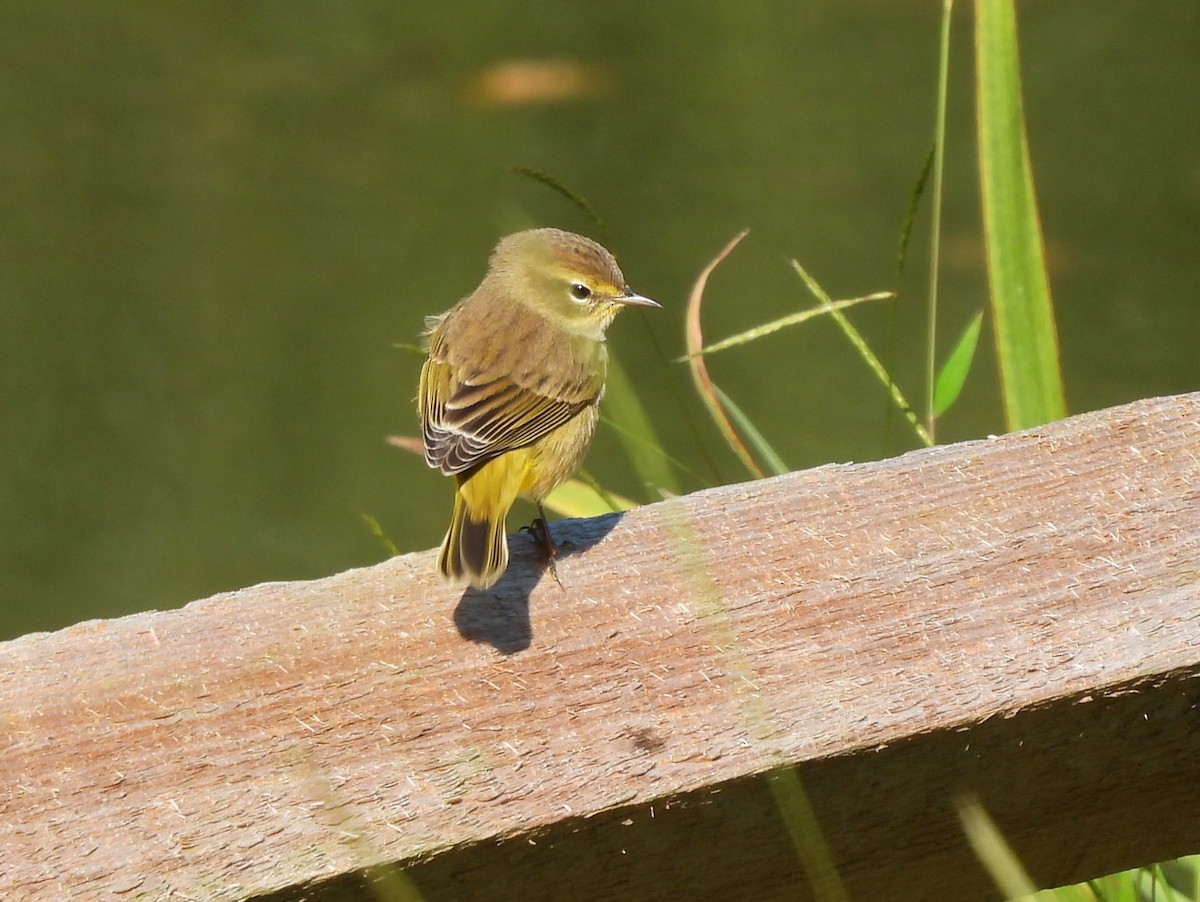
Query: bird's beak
x=636 y=300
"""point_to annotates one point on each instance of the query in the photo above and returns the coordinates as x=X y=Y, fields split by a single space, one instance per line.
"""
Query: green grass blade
x=935 y=226
x=910 y=216
x=575 y=498
x=993 y=850
x=950 y=380
x=554 y=184
x=1026 y=343
x=765 y=734
x=773 y=461
x=637 y=433
x=791 y=319
x=865 y=352
x=648 y=446
x=376 y=530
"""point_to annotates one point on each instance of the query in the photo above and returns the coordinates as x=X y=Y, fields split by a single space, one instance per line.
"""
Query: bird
x=509 y=391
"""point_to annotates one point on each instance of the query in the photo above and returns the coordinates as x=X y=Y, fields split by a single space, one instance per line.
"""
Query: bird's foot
x=539 y=529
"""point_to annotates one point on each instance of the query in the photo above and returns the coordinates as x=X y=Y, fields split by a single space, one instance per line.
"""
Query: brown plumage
x=508 y=395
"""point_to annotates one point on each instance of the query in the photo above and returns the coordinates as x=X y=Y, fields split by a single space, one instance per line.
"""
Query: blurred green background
x=217 y=219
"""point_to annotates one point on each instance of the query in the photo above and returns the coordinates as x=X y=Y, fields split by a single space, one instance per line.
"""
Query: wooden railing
x=739 y=694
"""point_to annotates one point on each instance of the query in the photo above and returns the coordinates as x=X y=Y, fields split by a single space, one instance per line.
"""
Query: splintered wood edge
x=1016 y=618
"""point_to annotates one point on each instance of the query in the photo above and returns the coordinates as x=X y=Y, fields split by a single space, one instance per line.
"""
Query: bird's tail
x=475 y=549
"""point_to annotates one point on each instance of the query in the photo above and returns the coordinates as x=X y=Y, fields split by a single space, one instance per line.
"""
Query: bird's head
x=565 y=277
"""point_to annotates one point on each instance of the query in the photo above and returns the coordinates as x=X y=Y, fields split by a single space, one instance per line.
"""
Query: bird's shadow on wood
x=499 y=615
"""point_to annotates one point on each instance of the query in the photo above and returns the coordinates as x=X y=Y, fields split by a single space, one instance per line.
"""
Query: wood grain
x=1017 y=617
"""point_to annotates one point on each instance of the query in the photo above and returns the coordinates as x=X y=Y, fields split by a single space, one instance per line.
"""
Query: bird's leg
x=540 y=530
x=543 y=524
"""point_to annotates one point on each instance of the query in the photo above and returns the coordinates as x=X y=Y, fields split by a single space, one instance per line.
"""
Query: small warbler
x=508 y=395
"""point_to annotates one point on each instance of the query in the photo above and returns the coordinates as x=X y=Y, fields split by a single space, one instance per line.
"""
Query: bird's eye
x=580 y=292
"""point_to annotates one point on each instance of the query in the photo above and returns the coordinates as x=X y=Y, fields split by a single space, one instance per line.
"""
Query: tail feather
x=475 y=549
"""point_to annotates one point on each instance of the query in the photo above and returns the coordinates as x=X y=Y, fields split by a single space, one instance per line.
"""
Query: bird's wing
x=469 y=416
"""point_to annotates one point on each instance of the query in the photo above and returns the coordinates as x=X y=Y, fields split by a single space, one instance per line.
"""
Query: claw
x=540 y=530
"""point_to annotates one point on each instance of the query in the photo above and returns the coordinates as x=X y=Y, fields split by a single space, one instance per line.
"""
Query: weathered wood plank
x=1017 y=617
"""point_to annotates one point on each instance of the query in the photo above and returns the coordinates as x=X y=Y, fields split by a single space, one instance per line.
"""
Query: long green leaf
x=1026 y=343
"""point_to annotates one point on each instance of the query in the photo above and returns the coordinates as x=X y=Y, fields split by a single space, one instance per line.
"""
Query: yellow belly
x=555 y=458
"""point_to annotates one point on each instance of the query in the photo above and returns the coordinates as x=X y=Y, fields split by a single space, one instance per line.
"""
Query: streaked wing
x=466 y=423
